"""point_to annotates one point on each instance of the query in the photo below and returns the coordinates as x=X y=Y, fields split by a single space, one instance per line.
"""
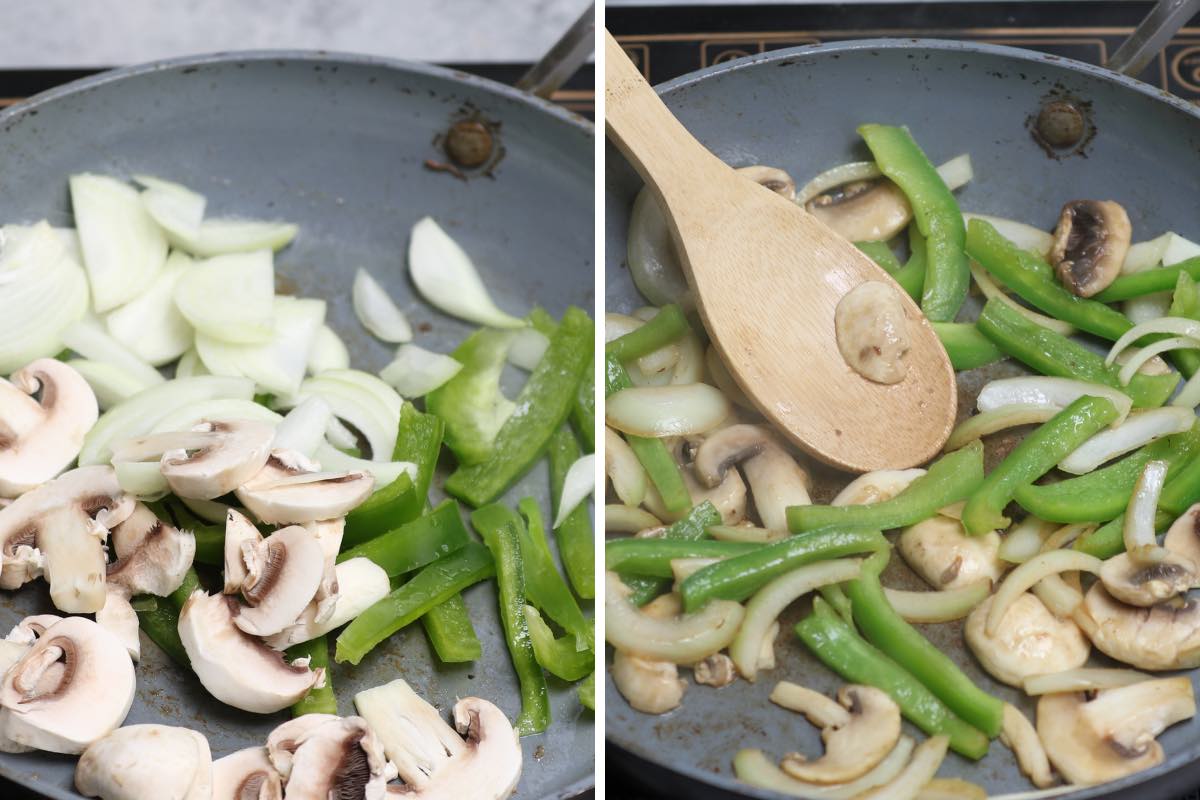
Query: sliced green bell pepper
x=576 y=545
x=413 y=545
x=666 y=327
x=966 y=346
x=558 y=656
x=1139 y=284
x=451 y=633
x=320 y=699
x=652 y=557
x=911 y=276
x=881 y=253
x=583 y=413
x=692 y=527
x=387 y=509
x=158 y=618
x=471 y=404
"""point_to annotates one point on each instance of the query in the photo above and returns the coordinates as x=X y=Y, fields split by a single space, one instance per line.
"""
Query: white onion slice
x=992 y=291
x=123 y=248
x=957 y=172
x=1178 y=249
x=941 y=606
x=1024 y=236
x=1138 y=429
x=690 y=366
x=110 y=383
x=578 y=484
x=628 y=519
x=190 y=365
x=986 y=423
x=745 y=533
x=667 y=410
x=1024 y=540
x=277 y=365
x=680 y=640
x=383 y=394
x=338 y=435
x=328 y=352
x=1144 y=255
x=12 y=235
x=89 y=339
x=377 y=311
x=1143 y=505
x=875 y=487
x=1026 y=575
x=150 y=325
x=926 y=759
x=1147 y=307
x=303 y=429
x=177 y=209
x=140 y=413
x=187 y=416
x=445 y=276
x=218 y=237
x=230 y=298
x=142 y=479
x=1139 y=356
x=385 y=472
x=527 y=349
x=1189 y=395
x=753 y=768
x=415 y=372
x=1039 y=390
x=359 y=406
x=1176 y=326
x=207 y=510
x=1082 y=679
x=628 y=477
x=1061 y=598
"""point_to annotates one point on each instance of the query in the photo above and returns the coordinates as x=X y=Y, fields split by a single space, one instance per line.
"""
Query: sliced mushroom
x=146 y=762
x=1165 y=636
x=246 y=775
x=328 y=534
x=1029 y=641
x=10 y=653
x=330 y=756
x=1183 y=537
x=152 y=556
x=73 y=686
x=66 y=521
x=858 y=733
x=871 y=210
x=284 y=740
x=1113 y=734
x=1090 y=244
x=235 y=667
x=118 y=618
x=872 y=332
x=284 y=572
x=717 y=670
x=649 y=686
x=362 y=583
x=30 y=629
x=210 y=460
x=1148 y=583
x=241 y=541
x=940 y=552
x=728 y=497
x=39 y=438
x=771 y=178
x=291 y=490
x=875 y=487
x=776 y=480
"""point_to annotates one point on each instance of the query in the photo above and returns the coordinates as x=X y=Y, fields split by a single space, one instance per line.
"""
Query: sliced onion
x=140 y=413
x=621 y=464
x=940 y=606
x=1018 y=733
x=837 y=176
x=1026 y=237
x=150 y=325
x=681 y=640
x=187 y=416
x=1176 y=326
x=1037 y=390
x=446 y=277
x=755 y=769
x=617 y=325
x=875 y=487
x=230 y=298
x=579 y=483
x=1144 y=255
x=770 y=601
x=277 y=365
x=360 y=407
x=1147 y=307
x=207 y=510
x=950 y=789
x=123 y=248
x=1139 y=428
x=1026 y=575
x=745 y=533
x=303 y=429
x=684 y=568
x=1139 y=356
x=177 y=209
x=338 y=435
x=1143 y=506
x=690 y=366
x=1178 y=249
x=926 y=760
x=328 y=352
x=1060 y=597
x=383 y=394
x=377 y=311
x=667 y=410
x=415 y=372
x=1189 y=395
x=142 y=479
x=957 y=172
x=110 y=383
x=650 y=253
x=527 y=349
x=628 y=519
x=1082 y=679
x=89 y=339
x=218 y=237
x=1024 y=540
x=385 y=472
x=998 y=419
x=190 y=365
x=992 y=291
x=642 y=379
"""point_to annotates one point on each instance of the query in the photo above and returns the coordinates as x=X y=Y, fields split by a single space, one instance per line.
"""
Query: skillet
x=336 y=144
x=798 y=109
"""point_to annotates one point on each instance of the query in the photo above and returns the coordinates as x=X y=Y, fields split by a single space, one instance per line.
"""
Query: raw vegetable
x=276 y=365
x=377 y=311
x=218 y=237
x=528 y=347
x=362 y=400
x=150 y=325
x=303 y=428
x=574 y=533
x=451 y=633
x=559 y=656
x=471 y=403
x=388 y=509
x=230 y=298
x=89 y=339
x=419 y=441
x=177 y=209
x=414 y=544
x=328 y=352
x=320 y=699
x=415 y=371
x=579 y=483
x=445 y=276
x=111 y=383
x=966 y=346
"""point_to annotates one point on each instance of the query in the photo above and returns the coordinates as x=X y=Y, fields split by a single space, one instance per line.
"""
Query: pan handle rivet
x=1061 y=124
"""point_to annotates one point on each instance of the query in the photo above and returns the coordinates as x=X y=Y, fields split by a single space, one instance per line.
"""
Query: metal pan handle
x=566 y=56
x=1152 y=35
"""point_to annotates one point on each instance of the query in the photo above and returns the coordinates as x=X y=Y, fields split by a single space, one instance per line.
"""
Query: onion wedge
x=150 y=325
x=1026 y=575
x=276 y=365
x=377 y=311
x=527 y=349
x=218 y=237
x=1039 y=390
x=753 y=767
x=110 y=383
x=177 y=209
x=623 y=469
x=89 y=339
x=190 y=365
x=1023 y=236
x=230 y=298
x=1138 y=429
x=415 y=372
x=578 y=484
x=628 y=519
x=1024 y=540
x=941 y=606
x=680 y=640
x=1176 y=326
x=328 y=352
x=998 y=419
x=1140 y=540
x=660 y=411
x=303 y=428
x=1139 y=356
x=385 y=472
x=1082 y=679
x=446 y=277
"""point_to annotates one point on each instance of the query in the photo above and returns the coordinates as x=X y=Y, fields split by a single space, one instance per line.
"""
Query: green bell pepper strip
x=666 y=327
x=538 y=552
x=388 y=509
x=653 y=557
x=542 y=406
x=911 y=276
x=1053 y=354
x=840 y=648
x=505 y=543
x=966 y=346
x=739 y=577
x=158 y=618
x=558 y=656
x=1185 y=302
x=210 y=544
x=542 y=321
x=835 y=596
x=1104 y=494
x=583 y=413
x=413 y=545
x=451 y=633
x=419 y=441
x=1036 y=455
x=433 y=585
x=953 y=477
x=692 y=527
x=190 y=583
x=1139 y=284
x=319 y=700
x=1031 y=278
x=471 y=404
x=576 y=545
x=881 y=254
x=586 y=691
x=651 y=452
x=936 y=213
x=888 y=631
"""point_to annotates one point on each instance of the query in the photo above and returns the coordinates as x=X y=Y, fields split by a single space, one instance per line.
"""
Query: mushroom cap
x=853 y=746
x=28 y=630
x=414 y=736
x=775 y=479
x=728 y=497
x=1147 y=584
x=329 y=535
x=340 y=757
x=152 y=556
x=246 y=775
x=652 y=687
x=119 y=618
x=284 y=573
x=940 y=552
x=363 y=583
x=872 y=332
x=1090 y=245
x=287 y=491
x=240 y=533
x=40 y=438
x=74 y=686
x=1183 y=537
x=285 y=739
x=235 y=667
x=1154 y=638
x=871 y=210
x=773 y=178
x=1029 y=641
x=138 y=762
x=237 y=452
x=725 y=448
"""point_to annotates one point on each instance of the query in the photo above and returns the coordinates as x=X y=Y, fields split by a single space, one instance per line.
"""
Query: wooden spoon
x=767 y=277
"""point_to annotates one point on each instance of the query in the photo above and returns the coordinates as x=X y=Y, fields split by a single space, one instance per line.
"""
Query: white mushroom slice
x=139 y=762
x=872 y=332
x=289 y=490
x=361 y=582
x=1090 y=244
x=1155 y=638
x=246 y=775
x=152 y=556
x=728 y=497
x=1142 y=583
x=1130 y=717
x=240 y=537
x=775 y=479
x=284 y=740
x=771 y=178
x=413 y=734
x=649 y=686
x=285 y=571
x=871 y=210
x=1029 y=641
x=1021 y=737
x=211 y=460
x=74 y=686
x=875 y=487
x=119 y=618
x=40 y=438
x=328 y=534
x=717 y=670
x=945 y=557
x=1183 y=537
x=858 y=734
x=330 y=756
x=234 y=667
x=28 y=630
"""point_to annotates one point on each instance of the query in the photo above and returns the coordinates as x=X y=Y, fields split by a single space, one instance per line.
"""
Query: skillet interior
x=336 y=144
x=797 y=109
